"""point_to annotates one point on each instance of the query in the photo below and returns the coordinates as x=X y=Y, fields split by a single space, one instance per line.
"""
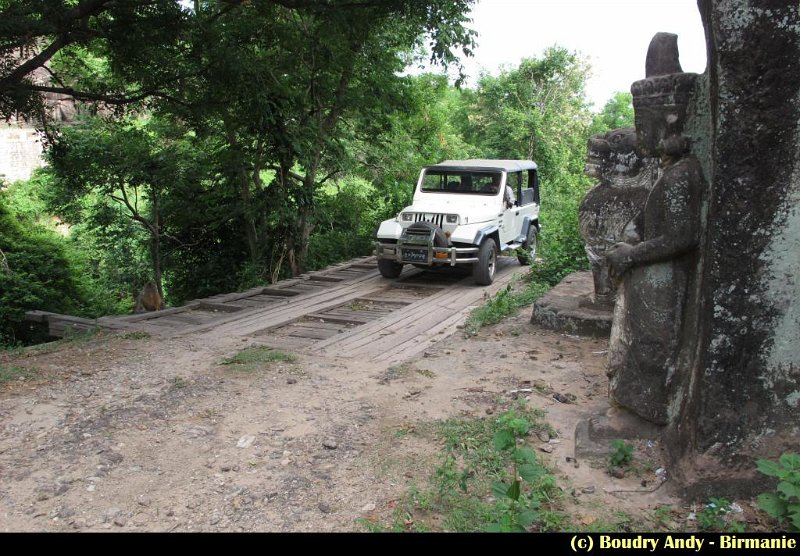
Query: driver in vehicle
x=493 y=186
x=509 y=197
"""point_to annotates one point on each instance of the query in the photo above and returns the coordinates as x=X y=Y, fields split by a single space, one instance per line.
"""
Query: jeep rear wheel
x=483 y=270
x=389 y=269
x=527 y=253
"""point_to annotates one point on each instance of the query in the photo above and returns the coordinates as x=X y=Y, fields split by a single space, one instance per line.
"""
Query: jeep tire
x=527 y=253
x=389 y=269
x=483 y=270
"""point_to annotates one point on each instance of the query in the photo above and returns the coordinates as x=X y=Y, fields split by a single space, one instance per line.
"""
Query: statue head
x=661 y=99
x=612 y=154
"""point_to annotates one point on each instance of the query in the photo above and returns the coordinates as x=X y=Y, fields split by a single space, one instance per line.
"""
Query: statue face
x=612 y=153
x=655 y=124
x=650 y=130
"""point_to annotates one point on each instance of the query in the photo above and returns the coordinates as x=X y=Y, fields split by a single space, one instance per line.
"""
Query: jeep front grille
x=435 y=219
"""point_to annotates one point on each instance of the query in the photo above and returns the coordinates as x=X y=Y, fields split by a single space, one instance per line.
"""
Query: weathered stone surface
x=608 y=213
x=739 y=397
x=569 y=307
x=657 y=270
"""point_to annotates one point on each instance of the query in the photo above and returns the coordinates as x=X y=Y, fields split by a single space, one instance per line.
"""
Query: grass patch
x=404 y=371
x=253 y=357
x=10 y=373
x=487 y=478
x=525 y=290
x=506 y=302
x=136 y=335
x=178 y=382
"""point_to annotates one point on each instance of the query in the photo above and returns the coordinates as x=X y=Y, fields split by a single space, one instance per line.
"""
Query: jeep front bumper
x=412 y=253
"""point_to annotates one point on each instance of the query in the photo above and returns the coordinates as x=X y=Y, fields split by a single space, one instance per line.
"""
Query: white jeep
x=464 y=212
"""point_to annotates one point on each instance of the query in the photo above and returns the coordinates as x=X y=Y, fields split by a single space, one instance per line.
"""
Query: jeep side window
x=533 y=183
x=514 y=182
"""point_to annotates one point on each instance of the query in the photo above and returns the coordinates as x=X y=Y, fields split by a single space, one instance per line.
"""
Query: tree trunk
x=243 y=180
x=302 y=231
x=156 y=246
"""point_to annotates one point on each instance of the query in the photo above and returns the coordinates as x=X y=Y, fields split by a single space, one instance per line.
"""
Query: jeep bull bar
x=414 y=247
x=427 y=255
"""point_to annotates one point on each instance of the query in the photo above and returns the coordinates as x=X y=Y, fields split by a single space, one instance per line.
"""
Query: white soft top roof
x=487 y=164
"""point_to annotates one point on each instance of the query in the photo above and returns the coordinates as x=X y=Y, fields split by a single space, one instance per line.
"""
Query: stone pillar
x=738 y=397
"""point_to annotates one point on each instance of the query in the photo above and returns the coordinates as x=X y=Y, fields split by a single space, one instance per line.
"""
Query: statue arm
x=681 y=223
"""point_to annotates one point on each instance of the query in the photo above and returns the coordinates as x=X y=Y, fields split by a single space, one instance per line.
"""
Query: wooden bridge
x=346 y=310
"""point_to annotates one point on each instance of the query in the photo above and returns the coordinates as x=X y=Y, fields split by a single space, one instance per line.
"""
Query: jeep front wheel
x=389 y=269
x=483 y=270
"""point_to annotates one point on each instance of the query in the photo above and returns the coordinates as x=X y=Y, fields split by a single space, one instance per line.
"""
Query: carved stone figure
x=609 y=212
x=148 y=299
x=655 y=271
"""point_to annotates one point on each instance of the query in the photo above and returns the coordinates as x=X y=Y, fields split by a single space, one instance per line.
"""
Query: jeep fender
x=483 y=233
x=527 y=222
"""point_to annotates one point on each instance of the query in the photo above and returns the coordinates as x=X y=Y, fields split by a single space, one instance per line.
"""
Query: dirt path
x=154 y=434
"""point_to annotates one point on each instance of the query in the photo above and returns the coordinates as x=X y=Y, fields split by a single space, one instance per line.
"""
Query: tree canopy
x=222 y=144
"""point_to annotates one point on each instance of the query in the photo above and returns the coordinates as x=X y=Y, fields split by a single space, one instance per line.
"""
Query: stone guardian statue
x=610 y=212
x=655 y=272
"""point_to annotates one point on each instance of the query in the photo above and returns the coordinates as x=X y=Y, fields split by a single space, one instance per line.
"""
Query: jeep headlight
x=452 y=219
x=407 y=217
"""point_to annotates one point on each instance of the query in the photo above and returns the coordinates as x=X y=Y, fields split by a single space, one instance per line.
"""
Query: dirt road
x=129 y=431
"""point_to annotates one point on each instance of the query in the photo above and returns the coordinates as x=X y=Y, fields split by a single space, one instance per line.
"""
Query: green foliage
x=488 y=479
x=622 y=455
x=517 y=496
x=716 y=516
x=784 y=504
x=35 y=273
x=348 y=211
x=504 y=303
x=617 y=113
x=536 y=111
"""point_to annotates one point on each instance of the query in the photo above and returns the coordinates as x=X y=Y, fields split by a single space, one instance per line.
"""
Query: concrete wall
x=20 y=152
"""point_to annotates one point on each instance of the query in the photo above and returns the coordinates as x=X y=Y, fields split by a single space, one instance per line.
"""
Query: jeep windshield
x=461 y=181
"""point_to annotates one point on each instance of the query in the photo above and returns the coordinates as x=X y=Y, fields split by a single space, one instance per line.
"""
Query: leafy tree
x=617 y=113
x=43 y=43
x=104 y=168
x=320 y=67
x=276 y=82
x=538 y=111
x=422 y=130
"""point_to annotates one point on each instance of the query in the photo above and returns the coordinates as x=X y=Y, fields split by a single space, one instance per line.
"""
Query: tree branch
x=85 y=9
x=289 y=173
x=108 y=99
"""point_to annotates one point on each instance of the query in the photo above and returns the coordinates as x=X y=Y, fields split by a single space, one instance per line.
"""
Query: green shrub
x=35 y=273
x=783 y=505
x=622 y=454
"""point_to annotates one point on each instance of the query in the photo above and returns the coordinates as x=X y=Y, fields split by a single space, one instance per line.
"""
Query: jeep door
x=511 y=227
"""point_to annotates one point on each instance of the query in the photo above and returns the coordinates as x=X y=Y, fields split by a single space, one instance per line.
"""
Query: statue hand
x=620 y=259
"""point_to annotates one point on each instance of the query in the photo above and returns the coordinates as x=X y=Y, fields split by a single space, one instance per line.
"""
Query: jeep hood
x=477 y=208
